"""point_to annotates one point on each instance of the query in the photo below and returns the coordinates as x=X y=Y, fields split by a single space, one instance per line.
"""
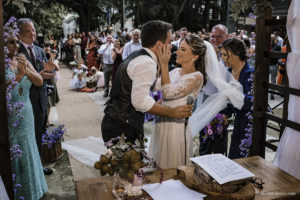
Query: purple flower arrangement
x=214 y=128
x=53 y=135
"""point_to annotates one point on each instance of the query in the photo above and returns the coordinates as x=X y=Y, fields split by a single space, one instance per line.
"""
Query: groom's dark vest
x=119 y=107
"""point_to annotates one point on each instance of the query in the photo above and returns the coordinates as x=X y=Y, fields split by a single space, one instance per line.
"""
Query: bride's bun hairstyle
x=198 y=48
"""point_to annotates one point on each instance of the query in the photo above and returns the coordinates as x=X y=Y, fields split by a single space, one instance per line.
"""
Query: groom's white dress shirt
x=142 y=71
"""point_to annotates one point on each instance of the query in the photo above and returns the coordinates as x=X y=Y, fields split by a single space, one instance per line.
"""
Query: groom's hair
x=23 y=21
x=153 y=31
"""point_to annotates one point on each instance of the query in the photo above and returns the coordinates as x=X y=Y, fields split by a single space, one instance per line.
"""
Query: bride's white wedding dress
x=170 y=145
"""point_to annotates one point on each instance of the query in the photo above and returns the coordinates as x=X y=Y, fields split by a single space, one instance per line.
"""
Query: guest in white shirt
x=77 y=48
x=106 y=52
x=129 y=96
x=133 y=45
x=183 y=33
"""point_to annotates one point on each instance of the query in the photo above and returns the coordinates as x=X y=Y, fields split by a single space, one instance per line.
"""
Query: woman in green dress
x=27 y=169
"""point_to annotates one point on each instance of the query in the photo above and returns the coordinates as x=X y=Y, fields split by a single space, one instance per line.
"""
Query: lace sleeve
x=184 y=86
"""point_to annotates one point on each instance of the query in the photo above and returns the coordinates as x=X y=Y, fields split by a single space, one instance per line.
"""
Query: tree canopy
x=48 y=14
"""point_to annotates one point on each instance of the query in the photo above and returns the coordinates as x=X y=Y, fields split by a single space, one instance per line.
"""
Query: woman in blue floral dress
x=20 y=75
x=234 y=55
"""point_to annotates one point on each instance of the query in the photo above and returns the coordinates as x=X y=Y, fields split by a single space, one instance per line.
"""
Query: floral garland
x=13 y=108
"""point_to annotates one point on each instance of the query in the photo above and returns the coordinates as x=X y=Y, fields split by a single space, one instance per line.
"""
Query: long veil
x=222 y=89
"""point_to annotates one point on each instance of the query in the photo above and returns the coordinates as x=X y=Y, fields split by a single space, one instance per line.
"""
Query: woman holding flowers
x=20 y=75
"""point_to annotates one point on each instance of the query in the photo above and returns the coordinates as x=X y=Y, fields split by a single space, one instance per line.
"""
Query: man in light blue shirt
x=133 y=45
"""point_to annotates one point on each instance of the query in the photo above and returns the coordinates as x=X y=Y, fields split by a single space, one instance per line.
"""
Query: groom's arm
x=142 y=72
x=178 y=112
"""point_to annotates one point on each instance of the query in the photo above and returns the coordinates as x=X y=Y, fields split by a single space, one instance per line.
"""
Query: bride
x=171 y=143
x=168 y=143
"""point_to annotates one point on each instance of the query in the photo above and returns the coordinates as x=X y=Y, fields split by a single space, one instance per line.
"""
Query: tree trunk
x=206 y=16
x=175 y=21
x=84 y=19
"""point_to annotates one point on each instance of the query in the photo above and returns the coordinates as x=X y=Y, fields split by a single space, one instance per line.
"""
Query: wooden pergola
x=5 y=168
x=264 y=26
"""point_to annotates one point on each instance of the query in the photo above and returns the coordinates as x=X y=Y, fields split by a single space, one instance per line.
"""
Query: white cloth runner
x=171 y=189
x=3 y=194
x=86 y=150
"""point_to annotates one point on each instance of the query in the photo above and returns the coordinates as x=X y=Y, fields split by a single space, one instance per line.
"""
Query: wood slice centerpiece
x=198 y=179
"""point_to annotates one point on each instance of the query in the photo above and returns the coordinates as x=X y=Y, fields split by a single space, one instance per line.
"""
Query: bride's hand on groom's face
x=164 y=54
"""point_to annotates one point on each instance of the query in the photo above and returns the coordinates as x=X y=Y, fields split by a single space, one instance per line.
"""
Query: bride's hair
x=198 y=48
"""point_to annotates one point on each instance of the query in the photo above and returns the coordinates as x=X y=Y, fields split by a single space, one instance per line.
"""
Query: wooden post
x=261 y=78
x=5 y=168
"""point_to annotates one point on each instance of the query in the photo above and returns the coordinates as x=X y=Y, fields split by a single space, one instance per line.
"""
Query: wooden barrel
x=51 y=154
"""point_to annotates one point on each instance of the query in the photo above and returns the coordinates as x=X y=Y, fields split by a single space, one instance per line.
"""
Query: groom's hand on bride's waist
x=183 y=111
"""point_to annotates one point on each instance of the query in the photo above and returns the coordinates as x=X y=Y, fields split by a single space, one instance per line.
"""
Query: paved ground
x=82 y=114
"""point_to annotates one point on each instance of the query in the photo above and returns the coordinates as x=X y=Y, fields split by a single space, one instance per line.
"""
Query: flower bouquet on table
x=128 y=161
x=51 y=143
x=214 y=128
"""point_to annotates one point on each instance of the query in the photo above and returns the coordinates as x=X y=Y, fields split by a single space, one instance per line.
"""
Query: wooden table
x=278 y=184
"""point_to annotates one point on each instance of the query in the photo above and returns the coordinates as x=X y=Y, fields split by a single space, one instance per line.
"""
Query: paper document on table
x=171 y=189
x=221 y=168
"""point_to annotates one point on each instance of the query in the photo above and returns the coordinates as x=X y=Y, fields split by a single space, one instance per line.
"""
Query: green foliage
x=240 y=7
x=47 y=16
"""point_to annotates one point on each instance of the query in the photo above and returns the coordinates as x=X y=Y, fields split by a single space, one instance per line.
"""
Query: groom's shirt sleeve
x=142 y=72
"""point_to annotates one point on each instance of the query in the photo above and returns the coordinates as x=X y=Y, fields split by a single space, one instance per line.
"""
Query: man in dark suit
x=38 y=94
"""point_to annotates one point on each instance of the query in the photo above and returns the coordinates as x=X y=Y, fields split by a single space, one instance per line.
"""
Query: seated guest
x=80 y=84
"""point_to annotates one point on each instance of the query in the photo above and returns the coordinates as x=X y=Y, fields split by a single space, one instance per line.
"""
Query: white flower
x=133 y=190
x=109 y=152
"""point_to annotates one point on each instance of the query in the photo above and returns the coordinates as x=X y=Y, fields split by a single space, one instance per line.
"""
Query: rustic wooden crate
x=51 y=154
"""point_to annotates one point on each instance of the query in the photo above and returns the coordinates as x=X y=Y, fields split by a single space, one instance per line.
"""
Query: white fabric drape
x=225 y=88
x=288 y=153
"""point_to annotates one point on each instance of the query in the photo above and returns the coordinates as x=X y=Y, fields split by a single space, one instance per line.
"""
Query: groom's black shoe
x=47 y=171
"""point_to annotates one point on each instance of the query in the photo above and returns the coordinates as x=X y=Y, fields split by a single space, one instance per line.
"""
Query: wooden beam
x=284 y=122
x=261 y=74
x=275 y=22
x=5 y=168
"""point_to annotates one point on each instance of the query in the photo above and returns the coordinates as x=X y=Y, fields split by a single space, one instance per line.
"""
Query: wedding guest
x=92 y=55
x=133 y=45
x=234 y=55
x=106 y=52
x=77 y=48
x=28 y=168
x=38 y=94
x=117 y=56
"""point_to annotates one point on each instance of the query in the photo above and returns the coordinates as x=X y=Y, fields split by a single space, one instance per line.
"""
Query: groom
x=129 y=97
